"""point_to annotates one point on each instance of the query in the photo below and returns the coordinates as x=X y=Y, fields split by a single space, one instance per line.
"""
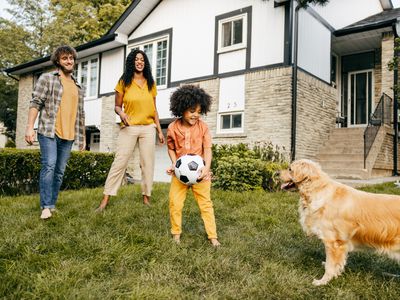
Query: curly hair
x=65 y=49
x=130 y=69
x=189 y=96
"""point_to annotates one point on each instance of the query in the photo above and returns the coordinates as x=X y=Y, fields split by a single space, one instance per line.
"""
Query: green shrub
x=10 y=144
x=236 y=173
x=271 y=180
x=241 y=168
x=19 y=170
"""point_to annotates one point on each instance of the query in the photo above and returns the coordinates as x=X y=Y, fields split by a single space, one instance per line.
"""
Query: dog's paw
x=318 y=282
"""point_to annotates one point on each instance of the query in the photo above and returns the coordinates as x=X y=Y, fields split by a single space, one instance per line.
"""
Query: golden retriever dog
x=345 y=219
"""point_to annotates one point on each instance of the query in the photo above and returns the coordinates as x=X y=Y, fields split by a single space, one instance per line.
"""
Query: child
x=190 y=135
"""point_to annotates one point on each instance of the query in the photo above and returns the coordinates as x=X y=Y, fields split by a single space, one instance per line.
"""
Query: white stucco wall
x=194 y=33
x=112 y=66
x=340 y=13
x=314 y=50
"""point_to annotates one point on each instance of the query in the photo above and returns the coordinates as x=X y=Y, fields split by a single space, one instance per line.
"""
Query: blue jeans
x=55 y=153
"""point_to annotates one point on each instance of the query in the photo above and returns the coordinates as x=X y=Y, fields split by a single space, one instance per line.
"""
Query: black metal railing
x=381 y=115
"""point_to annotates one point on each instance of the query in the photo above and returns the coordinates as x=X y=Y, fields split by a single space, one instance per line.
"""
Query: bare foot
x=176 y=238
x=103 y=204
x=215 y=242
x=146 y=200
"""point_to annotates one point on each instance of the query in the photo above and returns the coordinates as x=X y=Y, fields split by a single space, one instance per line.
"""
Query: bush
x=10 y=144
x=241 y=168
x=19 y=170
x=235 y=173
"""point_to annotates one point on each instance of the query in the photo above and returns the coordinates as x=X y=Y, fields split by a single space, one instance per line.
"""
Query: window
x=232 y=33
x=96 y=137
x=157 y=53
x=87 y=73
x=231 y=121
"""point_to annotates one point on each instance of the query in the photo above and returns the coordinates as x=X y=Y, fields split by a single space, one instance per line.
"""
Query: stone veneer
x=386 y=56
x=268 y=111
x=25 y=88
x=316 y=114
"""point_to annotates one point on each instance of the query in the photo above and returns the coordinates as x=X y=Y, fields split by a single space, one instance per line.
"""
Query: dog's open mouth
x=288 y=185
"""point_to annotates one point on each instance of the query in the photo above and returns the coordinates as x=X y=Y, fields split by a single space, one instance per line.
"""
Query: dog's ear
x=303 y=169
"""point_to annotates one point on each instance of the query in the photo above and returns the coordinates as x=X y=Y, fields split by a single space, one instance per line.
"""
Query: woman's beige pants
x=128 y=136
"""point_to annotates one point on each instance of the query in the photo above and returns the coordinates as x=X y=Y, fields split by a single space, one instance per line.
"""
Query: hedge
x=19 y=170
x=242 y=167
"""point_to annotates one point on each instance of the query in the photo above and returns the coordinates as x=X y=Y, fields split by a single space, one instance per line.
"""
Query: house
x=3 y=137
x=308 y=80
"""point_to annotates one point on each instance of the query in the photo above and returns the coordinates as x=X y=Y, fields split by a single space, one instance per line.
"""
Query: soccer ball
x=188 y=168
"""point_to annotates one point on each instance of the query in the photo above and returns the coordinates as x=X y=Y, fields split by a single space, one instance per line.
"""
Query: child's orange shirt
x=188 y=140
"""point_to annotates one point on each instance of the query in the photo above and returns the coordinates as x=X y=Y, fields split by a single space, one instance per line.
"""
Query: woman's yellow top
x=138 y=102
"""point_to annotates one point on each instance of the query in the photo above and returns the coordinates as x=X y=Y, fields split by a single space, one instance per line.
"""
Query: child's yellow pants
x=201 y=192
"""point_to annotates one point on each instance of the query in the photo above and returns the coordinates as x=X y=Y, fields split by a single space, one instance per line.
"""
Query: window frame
x=221 y=130
x=78 y=73
x=232 y=47
x=153 y=63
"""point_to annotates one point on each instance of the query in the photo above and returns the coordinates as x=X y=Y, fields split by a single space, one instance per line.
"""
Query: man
x=59 y=99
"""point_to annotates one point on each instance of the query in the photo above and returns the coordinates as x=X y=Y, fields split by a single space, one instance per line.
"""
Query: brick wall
x=316 y=114
x=24 y=97
x=268 y=111
x=387 y=55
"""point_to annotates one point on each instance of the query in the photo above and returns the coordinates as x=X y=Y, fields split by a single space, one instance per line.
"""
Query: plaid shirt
x=46 y=98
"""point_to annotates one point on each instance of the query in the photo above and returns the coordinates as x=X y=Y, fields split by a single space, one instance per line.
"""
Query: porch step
x=342 y=164
x=340 y=157
x=343 y=154
x=344 y=151
x=354 y=173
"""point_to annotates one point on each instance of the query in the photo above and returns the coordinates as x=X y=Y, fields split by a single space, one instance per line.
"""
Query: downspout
x=9 y=75
x=294 y=81
x=395 y=103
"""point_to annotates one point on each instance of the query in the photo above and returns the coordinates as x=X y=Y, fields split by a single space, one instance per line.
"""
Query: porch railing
x=381 y=115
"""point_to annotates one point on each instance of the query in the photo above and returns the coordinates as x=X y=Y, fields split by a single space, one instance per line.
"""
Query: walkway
x=361 y=182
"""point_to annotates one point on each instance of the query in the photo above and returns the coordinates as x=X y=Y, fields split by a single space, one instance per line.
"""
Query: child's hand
x=205 y=174
x=171 y=170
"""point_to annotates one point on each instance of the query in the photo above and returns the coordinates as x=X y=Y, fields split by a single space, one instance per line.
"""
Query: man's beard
x=66 y=71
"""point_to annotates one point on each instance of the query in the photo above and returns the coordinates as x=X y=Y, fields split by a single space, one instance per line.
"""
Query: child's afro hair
x=189 y=96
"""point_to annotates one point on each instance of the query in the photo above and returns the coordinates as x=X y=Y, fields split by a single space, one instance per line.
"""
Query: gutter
x=395 y=103
x=9 y=75
x=294 y=81
x=362 y=28
x=100 y=41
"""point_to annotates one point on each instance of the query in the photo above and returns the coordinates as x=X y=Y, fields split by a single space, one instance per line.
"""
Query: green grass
x=127 y=251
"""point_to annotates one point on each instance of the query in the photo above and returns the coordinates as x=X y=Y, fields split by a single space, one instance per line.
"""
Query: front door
x=359 y=98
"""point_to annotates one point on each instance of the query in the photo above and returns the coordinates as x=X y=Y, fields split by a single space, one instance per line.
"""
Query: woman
x=135 y=103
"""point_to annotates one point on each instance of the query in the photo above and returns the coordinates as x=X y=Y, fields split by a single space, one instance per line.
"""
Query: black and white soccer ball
x=188 y=168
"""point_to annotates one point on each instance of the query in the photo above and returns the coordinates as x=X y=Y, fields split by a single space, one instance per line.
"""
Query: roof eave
x=386 y=4
x=45 y=61
x=357 y=29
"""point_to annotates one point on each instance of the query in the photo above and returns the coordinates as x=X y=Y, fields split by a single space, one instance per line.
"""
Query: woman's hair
x=188 y=96
x=130 y=69
x=65 y=49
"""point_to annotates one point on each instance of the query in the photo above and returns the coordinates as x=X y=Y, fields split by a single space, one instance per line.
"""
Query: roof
x=45 y=61
x=117 y=36
x=383 y=19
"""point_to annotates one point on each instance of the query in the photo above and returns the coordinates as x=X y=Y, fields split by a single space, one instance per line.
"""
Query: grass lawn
x=127 y=251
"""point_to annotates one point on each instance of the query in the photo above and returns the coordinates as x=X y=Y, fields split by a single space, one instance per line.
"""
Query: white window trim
x=230 y=130
x=79 y=71
x=93 y=136
x=153 y=63
x=244 y=34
